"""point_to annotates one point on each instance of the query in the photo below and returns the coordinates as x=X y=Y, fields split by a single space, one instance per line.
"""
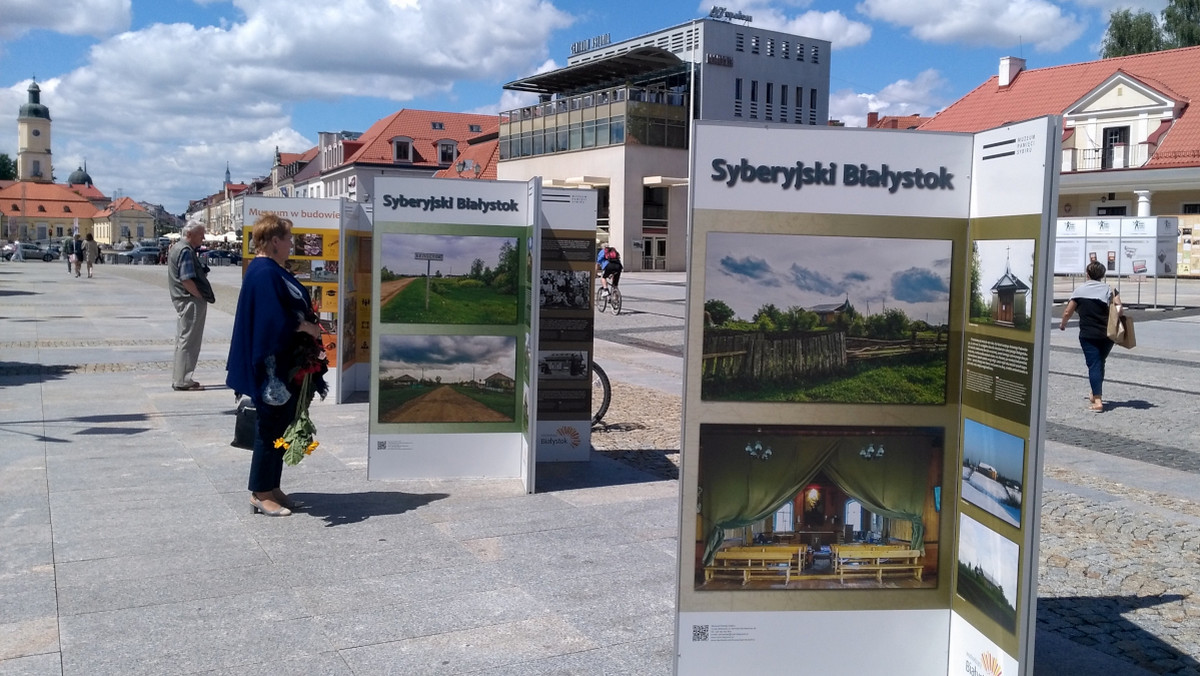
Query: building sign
x=726 y=15
x=718 y=60
x=591 y=43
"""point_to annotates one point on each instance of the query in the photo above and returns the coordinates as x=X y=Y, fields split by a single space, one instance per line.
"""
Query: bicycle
x=601 y=393
x=611 y=299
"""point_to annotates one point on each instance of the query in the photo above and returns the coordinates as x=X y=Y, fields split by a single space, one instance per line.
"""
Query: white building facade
x=617 y=118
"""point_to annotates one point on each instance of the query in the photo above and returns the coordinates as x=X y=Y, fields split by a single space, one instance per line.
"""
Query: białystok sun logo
x=991 y=665
x=570 y=433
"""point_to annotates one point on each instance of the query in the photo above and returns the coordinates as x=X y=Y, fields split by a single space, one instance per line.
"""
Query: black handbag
x=244 y=426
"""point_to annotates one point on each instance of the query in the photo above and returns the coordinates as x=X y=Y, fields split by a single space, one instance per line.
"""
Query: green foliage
x=451 y=301
x=476 y=269
x=1138 y=33
x=917 y=378
x=890 y=325
x=8 y=168
x=978 y=307
x=507 y=272
x=386 y=275
x=1129 y=33
x=1181 y=23
x=718 y=311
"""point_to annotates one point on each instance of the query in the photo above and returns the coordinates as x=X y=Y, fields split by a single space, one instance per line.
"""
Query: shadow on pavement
x=600 y=470
x=1098 y=622
x=339 y=509
x=1136 y=404
x=17 y=373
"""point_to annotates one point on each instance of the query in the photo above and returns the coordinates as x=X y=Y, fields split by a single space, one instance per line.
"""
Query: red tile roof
x=895 y=121
x=123 y=204
x=1051 y=91
x=24 y=198
x=482 y=151
x=375 y=145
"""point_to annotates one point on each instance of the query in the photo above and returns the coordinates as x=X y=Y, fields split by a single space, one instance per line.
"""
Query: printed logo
x=571 y=434
x=991 y=665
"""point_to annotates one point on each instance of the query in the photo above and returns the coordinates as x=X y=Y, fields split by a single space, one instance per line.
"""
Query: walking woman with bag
x=1091 y=300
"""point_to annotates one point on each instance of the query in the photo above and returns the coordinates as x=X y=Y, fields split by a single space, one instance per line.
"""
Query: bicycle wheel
x=601 y=393
x=614 y=300
x=601 y=299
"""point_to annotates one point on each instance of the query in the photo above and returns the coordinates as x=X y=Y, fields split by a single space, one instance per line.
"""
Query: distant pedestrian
x=18 y=254
x=1091 y=300
x=91 y=252
x=77 y=253
x=273 y=321
x=187 y=281
x=67 y=253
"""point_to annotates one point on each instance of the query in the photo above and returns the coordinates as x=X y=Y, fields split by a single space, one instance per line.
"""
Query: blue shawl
x=269 y=309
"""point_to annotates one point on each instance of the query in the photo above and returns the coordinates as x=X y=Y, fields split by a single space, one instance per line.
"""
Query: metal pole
x=428 y=265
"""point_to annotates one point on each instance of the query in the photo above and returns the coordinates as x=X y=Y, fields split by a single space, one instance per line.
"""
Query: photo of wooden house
x=1002 y=282
x=1009 y=296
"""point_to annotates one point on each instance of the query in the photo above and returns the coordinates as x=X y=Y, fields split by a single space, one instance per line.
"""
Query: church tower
x=33 y=140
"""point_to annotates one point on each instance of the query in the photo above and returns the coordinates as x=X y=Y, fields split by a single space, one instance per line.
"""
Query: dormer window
x=447 y=152
x=439 y=125
x=67 y=208
x=402 y=149
x=475 y=128
x=42 y=208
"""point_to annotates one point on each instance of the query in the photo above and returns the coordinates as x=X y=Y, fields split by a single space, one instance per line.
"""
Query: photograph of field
x=988 y=567
x=1001 y=282
x=424 y=379
x=992 y=470
x=806 y=318
x=448 y=279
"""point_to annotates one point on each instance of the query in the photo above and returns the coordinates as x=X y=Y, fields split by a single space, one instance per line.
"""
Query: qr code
x=381 y=445
x=699 y=632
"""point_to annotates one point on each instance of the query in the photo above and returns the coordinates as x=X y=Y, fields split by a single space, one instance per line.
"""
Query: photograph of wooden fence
x=807 y=318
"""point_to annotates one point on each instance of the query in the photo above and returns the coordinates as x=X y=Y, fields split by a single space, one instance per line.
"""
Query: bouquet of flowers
x=308 y=370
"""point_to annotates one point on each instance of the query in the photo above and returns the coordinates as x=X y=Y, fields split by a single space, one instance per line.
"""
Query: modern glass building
x=617 y=118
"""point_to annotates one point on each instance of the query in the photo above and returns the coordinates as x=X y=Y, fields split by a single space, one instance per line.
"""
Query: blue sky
x=158 y=95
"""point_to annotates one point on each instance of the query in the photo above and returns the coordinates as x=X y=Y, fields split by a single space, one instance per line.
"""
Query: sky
x=873 y=273
x=452 y=358
x=159 y=96
x=458 y=253
x=1004 y=452
x=995 y=554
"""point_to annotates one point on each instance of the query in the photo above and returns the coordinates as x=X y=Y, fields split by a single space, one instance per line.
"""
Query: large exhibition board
x=835 y=277
x=450 y=331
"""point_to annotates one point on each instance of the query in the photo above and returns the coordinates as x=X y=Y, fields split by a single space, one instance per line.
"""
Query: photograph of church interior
x=818 y=507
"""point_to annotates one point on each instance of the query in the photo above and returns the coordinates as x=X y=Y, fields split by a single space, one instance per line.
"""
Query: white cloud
x=919 y=96
x=832 y=26
x=994 y=23
x=97 y=18
x=158 y=111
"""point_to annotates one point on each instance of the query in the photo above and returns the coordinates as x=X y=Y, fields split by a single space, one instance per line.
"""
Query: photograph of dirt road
x=448 y=279
x=447 y=379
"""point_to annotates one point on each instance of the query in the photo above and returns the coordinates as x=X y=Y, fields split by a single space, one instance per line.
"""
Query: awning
x=591 y=74
x=664 y=181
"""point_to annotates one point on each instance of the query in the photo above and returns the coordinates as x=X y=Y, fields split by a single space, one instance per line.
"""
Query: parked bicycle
x=601 y=393
x=608 y=297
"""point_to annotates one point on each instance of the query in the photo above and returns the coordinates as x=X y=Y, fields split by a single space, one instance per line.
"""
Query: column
x=1143 y=202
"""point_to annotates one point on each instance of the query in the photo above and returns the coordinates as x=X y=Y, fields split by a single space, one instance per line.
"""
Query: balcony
x=1119 y=156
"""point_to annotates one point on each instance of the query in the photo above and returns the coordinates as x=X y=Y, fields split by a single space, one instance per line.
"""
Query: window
x=753 y=91
x=753 y=44
x=402 y=149
x=740 y=42
x=1191 y=208
x=447 y=152
x=67 y=208
x=816 y=54
x=737 y=89
x=654 y=207
x=784 y=520
x=42 y=208
x=438 y=125
x=770 y=92
x=475 y=128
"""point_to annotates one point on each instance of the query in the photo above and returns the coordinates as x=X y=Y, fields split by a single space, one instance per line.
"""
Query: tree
x=1130 y=33
x=8 y=168
x=979 y=308
x=718 y=311
x=1181 y=23
x=477 y=269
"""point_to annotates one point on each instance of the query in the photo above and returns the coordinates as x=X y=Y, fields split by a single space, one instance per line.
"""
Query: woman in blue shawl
x=275 y=332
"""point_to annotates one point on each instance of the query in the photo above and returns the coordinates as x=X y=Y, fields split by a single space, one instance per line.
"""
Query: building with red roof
x=1131 y=143
x=123 y=221
x=35 y=211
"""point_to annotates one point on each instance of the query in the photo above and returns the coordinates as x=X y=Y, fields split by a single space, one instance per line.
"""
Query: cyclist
x=608 y=259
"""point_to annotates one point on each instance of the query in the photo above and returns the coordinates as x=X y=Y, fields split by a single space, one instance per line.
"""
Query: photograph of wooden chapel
x=818 y=507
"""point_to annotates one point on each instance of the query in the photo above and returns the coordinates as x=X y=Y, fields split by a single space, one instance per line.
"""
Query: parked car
x=234 y=257
x=146 y=255
x=31 y=252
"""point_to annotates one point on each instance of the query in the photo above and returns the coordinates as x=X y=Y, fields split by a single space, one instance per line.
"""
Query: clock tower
x=33 y=140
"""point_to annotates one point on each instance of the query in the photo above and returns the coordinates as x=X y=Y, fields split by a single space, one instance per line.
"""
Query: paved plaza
x=127 y=545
